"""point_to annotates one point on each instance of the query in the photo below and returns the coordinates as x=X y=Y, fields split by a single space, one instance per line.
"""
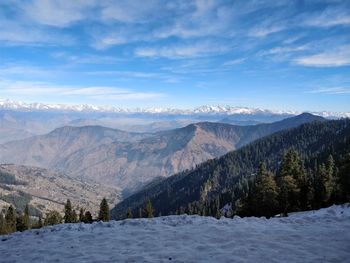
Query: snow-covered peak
x=6 y=104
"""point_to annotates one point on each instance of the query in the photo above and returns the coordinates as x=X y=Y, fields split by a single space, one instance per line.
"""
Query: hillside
x=130 y=160
x=45 y=190
x=218 y=177
x=314 y=236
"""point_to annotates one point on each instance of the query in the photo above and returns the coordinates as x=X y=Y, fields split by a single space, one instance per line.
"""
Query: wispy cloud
x=85 y=58
x=181 y=51
x=330 y=90
x=57 y=13
x=329 y=18
x=286 y=49
x=12 y=33
x=234 y=62
x=263 y=31
x=331 y=58
x=11 y=88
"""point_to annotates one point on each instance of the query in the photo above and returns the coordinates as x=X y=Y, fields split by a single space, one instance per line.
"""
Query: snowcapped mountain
x=6 y=104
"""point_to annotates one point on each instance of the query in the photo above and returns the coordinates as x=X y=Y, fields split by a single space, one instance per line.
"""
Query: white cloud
x=85 y=58
x=263 y=31
x=330 y=90
x=181 y=51
x=10 y=88
x=234 y=62
x=57 y=13
x=330 y=58
x=329 y=18
x=130 y=11
x=278 y=50
x=12 y=33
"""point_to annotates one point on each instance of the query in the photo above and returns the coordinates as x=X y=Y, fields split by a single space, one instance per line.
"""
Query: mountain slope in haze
x=45 y=150
x=215 y=177
x=45 y=190
x=130 y=161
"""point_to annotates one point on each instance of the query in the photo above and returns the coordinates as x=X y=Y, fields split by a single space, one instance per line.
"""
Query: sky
x=286 y=55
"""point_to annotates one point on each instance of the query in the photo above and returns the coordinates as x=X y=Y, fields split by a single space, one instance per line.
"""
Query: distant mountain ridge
x=6 y=104
x=131 y=160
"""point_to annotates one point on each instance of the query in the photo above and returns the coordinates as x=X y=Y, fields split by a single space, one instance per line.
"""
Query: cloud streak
x=331 y=90
x=11 y=88
x=331 y=58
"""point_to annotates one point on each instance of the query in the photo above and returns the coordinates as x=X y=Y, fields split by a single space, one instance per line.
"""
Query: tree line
x=290 y=188
x=293 y=188
x=12 y=221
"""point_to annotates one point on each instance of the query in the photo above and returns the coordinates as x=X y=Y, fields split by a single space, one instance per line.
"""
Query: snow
x=6 y=104
x=315 y=236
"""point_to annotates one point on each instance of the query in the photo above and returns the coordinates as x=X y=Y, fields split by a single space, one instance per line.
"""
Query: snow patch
x=314 y=236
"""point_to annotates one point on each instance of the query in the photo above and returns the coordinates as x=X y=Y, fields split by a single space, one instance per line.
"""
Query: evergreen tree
x=26 y=218
x=74 y=216
x=129 y=213
x=328 y=180
x=262 y=199
x=19 y=223
x=40 y=222
x=104 y=211
x=53 y=218
x=81 y=215
x=148 y=209
x=68 y=213
x=140 y=213
x=266 y=193
x=291 y=178
x=87 y=218
x=344 y=179
x=2 y=224
x=10 y=220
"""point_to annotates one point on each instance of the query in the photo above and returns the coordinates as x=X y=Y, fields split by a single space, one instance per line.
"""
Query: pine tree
x=262 y=199
x=26 y=218
x=81 y=215
x=40 y=222
x=53 y=218
x=19 y=223
x=2 y=224
x=328 y=180
x=74 y=216
x=344 y=179
x=291 y=178
x=266 y=193
x=88 y=217
x=129 y=213
x=10 y=220
x=149 y=209
x=68 y=213
x=104 y=211
x=140 y=213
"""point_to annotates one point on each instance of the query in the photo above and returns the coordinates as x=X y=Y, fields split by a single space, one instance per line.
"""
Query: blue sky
x=288 y=55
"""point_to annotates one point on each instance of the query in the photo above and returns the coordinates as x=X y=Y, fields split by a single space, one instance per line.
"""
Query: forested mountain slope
x=228 y=177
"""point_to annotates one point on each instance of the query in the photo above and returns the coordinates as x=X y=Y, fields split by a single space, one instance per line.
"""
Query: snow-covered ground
x=316 y=236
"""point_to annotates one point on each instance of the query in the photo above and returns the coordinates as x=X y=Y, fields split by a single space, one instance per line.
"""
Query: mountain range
x=6 y=104
x=131 y=160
